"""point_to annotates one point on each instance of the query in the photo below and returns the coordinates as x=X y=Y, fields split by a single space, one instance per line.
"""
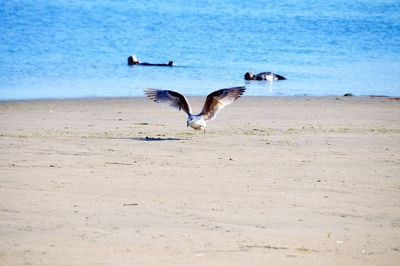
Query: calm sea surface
x=60 y=48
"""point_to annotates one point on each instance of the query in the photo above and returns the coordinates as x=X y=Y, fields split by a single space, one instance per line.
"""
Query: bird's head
x=189 y=120
x=248 y=76
x=132 y=60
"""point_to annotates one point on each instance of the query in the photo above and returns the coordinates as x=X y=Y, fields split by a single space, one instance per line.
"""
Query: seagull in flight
x=215 y=101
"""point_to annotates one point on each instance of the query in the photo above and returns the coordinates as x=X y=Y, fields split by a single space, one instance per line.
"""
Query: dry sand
x=274 y=181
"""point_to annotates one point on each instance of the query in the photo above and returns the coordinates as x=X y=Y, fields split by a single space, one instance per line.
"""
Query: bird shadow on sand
x=152 y=139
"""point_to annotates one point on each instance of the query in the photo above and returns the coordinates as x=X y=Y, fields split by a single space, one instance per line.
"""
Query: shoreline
x=197 y=96
x=291 y=180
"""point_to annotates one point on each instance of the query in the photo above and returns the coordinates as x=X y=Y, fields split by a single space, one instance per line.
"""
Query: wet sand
x=274 y=181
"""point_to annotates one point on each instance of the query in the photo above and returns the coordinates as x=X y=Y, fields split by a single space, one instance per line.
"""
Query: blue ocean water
x=63 y=48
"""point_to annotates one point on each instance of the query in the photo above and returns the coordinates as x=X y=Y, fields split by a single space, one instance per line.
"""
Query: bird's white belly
x=198 y=123
x=270 y=77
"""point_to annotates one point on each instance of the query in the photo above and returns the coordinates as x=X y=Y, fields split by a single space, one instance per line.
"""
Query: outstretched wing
x=219 y=99
x=171 y=98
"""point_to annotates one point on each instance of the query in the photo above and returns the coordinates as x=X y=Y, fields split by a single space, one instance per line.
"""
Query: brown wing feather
x=171 y=98
x=219 y=99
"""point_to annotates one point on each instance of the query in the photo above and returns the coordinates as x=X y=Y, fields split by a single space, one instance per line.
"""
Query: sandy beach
x=274 y=181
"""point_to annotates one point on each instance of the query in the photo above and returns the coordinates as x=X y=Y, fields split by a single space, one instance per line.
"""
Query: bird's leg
x=204 y=130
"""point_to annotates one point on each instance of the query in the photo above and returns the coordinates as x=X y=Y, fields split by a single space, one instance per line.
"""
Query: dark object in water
x=348 y=94
x=263 y=76
x=132 y=60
